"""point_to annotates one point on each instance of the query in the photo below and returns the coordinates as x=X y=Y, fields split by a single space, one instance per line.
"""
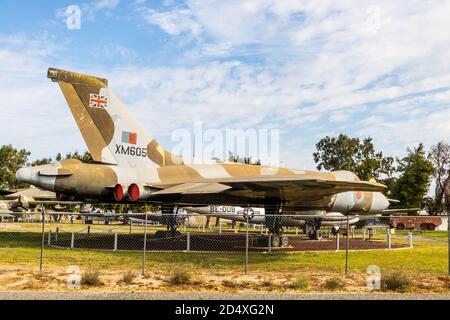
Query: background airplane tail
x=111 y=132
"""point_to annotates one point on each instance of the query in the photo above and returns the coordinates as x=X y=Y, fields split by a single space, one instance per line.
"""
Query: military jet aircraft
x=306 y=220
x=130 y=166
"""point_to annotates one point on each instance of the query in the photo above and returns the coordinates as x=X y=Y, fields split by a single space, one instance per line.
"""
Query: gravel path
x=214 y=296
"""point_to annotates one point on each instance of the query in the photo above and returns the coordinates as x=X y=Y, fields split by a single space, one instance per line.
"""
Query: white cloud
x=174 y=22
x=90 y=9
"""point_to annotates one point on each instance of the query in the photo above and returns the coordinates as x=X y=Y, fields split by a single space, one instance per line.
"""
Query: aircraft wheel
x=284 y=241
x=275 y=241
x=315 y=235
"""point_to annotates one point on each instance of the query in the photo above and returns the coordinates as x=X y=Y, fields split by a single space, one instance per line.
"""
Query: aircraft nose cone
x=380 y=202
x=24 y=175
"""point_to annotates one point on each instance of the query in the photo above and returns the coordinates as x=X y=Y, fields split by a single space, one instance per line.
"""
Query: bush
x=267 y=283
x=128 y=277
x=396 y=282
x=300 y=283
x=334 y=283
x=91 y=278
x=230 y=284
x=180 y=277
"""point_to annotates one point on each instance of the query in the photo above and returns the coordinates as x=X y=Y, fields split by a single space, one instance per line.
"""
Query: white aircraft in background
x=308 y=221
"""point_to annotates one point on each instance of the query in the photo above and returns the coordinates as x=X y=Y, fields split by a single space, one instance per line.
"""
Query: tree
x=360 y=157
x=41 y=162
x=86 y=157
x=11 y=160
x=416 y=172
x=246 y=160
x=440 y=156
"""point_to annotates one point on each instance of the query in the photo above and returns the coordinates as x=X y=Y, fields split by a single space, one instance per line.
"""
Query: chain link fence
x=243 y=243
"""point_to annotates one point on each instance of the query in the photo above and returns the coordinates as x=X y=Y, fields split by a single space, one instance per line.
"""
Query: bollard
x=337 y=242
x=296 y=231
x=410 y=239
x=116 y=238
x=49 y=237
x=389 y=238
x=353 y=232
x=364 y=234
x=188 y=242
x=72 y=240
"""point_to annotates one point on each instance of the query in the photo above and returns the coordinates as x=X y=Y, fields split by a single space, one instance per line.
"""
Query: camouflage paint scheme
x=158 y=176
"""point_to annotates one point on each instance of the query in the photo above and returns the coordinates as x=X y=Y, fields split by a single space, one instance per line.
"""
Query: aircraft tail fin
x=111 y=132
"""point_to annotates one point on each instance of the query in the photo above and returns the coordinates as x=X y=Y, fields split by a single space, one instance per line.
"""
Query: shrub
x=396 y=282
x=180 y=277
x=334 y=283
x=301 y=283
x=230 y=284
x=267 y=283
x=91 y=278
x=128 y=277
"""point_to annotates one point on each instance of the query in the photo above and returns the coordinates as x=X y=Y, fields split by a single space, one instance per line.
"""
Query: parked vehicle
x=415 y=222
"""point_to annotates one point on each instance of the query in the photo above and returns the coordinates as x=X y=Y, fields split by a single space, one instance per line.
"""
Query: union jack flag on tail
x=98 y=101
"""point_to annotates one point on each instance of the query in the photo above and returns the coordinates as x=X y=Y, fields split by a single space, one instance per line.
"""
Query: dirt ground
x=61 y=279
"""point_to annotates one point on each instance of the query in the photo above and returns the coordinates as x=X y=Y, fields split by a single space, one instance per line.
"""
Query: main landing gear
x=312 y=229
x=273 y=212
x=169 y=218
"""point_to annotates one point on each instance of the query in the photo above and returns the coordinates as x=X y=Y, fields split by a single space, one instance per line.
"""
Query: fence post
x=145 y=245
x=56 y=234
x=347 y=245
x=130 y=229
x=337 y=242
x=270 y=242
x=410 y=239
x=42 y=241
x=246 y=245
x=89 y=230
x=72 y=241
x=116 y=238
x=389 y=238
x=188 y=240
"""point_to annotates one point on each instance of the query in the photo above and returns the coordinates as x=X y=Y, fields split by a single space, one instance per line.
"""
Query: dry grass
x=128 y=277
x=91 y=278
x=397 y=281
x=334 y=284
x=180 y=277
x=301 y=283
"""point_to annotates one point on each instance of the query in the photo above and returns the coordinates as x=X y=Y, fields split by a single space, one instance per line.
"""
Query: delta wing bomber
x=130 y=166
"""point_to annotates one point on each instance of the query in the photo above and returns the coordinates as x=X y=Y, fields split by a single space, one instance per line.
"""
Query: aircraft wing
x=290 y=187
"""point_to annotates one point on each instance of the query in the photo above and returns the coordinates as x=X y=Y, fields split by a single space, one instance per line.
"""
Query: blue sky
x=309 y=68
